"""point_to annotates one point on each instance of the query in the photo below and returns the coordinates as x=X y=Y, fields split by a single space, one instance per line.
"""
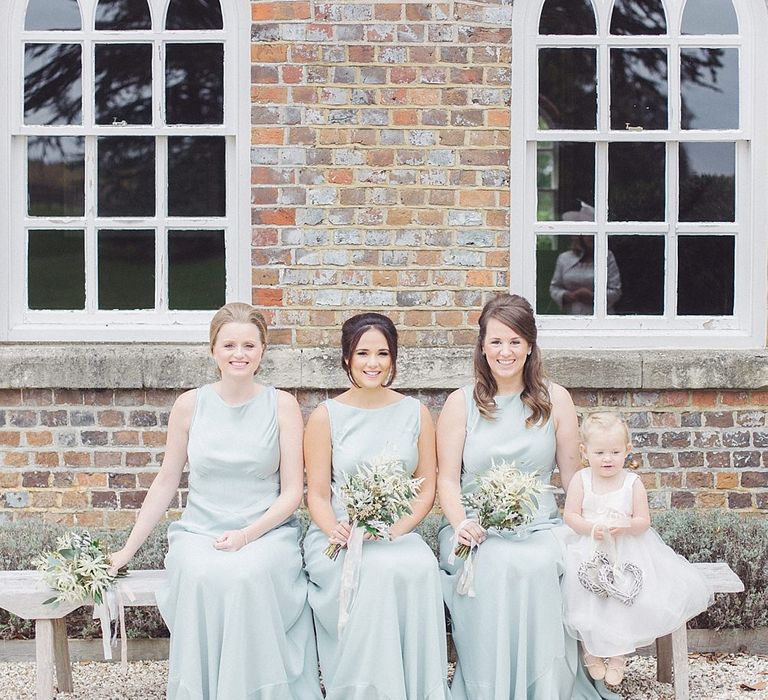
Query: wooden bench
x=23 y=593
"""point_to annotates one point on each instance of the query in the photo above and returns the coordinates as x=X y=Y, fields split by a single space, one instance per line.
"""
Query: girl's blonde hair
x=237 y=312
x=602 y=422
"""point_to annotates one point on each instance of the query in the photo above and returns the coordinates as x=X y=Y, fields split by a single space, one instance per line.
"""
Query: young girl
x=623 y=587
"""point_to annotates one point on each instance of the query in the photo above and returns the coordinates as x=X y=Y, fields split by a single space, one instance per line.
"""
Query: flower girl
x=623 y=587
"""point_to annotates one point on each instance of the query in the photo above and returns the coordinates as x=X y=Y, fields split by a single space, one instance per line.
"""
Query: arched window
x=647 y=228
x=128 y=177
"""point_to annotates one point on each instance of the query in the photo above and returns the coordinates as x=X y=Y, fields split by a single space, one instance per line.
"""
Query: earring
x=529 y=353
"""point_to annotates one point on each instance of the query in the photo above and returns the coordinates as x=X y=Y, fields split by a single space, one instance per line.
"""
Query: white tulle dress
x=672 y=590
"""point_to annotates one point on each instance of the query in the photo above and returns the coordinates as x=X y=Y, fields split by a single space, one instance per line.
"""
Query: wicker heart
x=588 y=574
x=622 y=581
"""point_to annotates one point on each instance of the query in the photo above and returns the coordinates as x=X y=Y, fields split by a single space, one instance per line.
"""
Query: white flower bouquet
x=78 y=568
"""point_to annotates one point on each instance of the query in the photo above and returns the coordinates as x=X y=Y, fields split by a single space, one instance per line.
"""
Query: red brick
x=37 y=439
x=77 y=459
x=269 y=53
x=267 y=296
x=10 y=438
x=10 y=397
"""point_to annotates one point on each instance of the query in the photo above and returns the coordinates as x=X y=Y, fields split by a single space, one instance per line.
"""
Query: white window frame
x=747 y=327
x=19 y=324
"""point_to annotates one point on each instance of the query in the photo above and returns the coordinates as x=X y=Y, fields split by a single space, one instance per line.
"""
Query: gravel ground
x=713 y=677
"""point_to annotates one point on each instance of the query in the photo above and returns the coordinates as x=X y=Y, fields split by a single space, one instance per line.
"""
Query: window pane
x=567 y=88
x=51 y=15
x=636 y=177
x=569 y=170
x=709 y=88
x=635 y=275
x=567 y=17
x=56 y=270
x=53 y=88
x=55 y=175
x=639 y=88
x=126 y=176
x=194 y=14
x=707 y=181
x=196 y=176
x=194 y=88
x=705 y=275
x=123 y=14
x=565 y=274
x=638 y=17
x=709 y=17
x=126 y=269
x=196 y=273
x=123 y=83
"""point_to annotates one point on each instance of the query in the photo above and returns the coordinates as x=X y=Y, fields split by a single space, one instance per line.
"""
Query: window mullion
x=161 y=230
x=91 y=229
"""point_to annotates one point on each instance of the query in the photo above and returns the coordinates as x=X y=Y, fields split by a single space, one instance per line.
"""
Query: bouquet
x=78 y=568
x=376 y=497
x=504 y=499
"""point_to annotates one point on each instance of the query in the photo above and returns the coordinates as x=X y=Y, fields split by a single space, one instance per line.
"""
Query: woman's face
x=370 y=362
x=505 y=352
x=238 y=349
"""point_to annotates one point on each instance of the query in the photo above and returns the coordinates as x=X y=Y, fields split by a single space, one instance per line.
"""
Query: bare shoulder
x=285 y=400
x=319 y=418
x=559 y=395
x=426 y=416
x=183 y=409
x=639 y=486
x=455 y=403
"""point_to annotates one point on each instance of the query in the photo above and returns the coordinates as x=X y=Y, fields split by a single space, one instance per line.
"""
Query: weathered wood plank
x=44 y=659
x=664 y=659
x=680 y=663
x=61 y=656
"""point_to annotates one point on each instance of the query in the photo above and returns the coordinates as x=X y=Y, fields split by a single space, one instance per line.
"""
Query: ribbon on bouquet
x=466 y=583
x=112 y=607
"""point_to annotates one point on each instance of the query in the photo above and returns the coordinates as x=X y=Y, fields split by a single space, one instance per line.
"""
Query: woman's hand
x=471 y=533
x=118 y=560
x=340 y=533
x=231 y=541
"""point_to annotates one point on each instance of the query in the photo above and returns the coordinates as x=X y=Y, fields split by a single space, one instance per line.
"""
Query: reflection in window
x=196 y=176
x=705 y=275
x=567 y=17
x=639 y=88
x=55 y=175
x=123 y=83
x=636 y=181
x=640 y=260
x=52 y=15
x=53 y=88
x=126 y=261
x=566 y=182
x=709 y=88
x=567 y=88
x=638 y=17
x=196 y=274
x=126 y=181
x=709 y=17
x=56 y=269
x=194 y=87
x=194 y=14
x=707 y=181
x=120 y=15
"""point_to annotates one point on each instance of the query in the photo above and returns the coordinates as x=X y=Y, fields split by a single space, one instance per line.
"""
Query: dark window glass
x=567 y=17
x=639 y=262
x=705 y=275
x=709 y=17
x=567 y=88
x=707 y=181
x=636 y=177
x=638 y=17
x=118 y=15
x=709 y=89
x=566 y=179
x=196 y=176
x=194 y=14
x=47 y=15
x=126 y=269
x=565 y=274
x=56 y=175
x=56 y=270
x=194 y=83
x=53 y=90
x=639 y=88
x=123 y=83
x=126 y=181
x=196 y=272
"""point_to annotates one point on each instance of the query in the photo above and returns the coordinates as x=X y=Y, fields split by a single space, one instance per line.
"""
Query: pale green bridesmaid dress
x=240 y=625
x=393 y=647
x=510 y=638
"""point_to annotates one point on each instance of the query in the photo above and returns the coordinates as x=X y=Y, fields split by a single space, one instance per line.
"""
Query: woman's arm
x=291 y=430
x=566 y=433
x=166 y=483
x=427 y=470
x=574 y=501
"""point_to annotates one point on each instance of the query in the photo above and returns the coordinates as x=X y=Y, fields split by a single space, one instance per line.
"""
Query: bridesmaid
x=393 y=646
x=236 y=600
x=509 y=637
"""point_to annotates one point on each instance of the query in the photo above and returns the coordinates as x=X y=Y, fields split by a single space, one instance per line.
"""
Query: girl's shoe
x=595 y=666
x=614 y=673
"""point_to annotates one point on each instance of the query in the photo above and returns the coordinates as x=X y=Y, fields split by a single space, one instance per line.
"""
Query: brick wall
x=87 y=457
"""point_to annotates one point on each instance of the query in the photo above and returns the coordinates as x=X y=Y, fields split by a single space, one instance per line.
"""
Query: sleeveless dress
x=510 y=639
x=672 y=590
x=393 y=646
x=240 y=625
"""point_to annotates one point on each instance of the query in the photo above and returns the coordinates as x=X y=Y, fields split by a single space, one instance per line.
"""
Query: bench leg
x=61 y=656
x=664 y=659
x=44 y=659
x=680 y=662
